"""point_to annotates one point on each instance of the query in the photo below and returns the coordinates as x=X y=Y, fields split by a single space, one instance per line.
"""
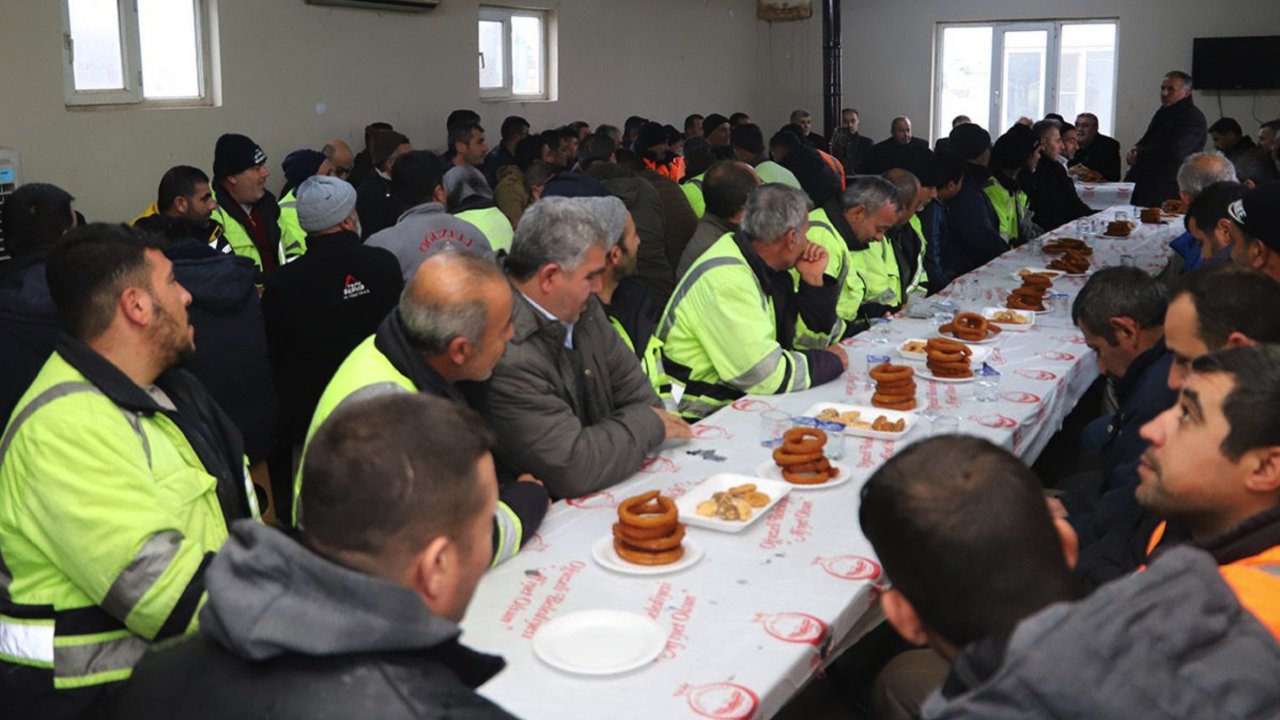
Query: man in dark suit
x=900 y=150
x=1097 y=152
x=847 y=145
x=1177 y=130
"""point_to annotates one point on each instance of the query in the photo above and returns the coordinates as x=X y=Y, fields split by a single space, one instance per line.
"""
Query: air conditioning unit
x=10 y=179
x=393 y=5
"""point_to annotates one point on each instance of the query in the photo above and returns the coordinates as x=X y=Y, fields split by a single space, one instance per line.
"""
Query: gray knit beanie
x=610 y=212
x=324 y=202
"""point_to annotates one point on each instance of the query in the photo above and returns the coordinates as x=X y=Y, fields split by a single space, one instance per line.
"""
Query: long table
x=766 y=608
x=1100 y=196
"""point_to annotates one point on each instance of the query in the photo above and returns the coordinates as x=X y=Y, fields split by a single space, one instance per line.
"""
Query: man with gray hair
x=739 y=323
x=568 y=400
x=1198 y=172
x=452 y=325
x=1176 y=131
x=845 y=227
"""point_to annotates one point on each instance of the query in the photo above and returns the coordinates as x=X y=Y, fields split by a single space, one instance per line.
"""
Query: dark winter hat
x=1226 y=125
x=383 y=144
x=575 y=185
x=301 y=164
x=234 y=154
x=969 y=140
x=1012 y=149
x=651 y=133
x=748 y=137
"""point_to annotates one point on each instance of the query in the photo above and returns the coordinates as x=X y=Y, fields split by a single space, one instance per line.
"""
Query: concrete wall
x=282 y=57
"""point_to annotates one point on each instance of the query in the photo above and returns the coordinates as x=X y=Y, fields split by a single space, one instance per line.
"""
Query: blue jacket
x=1189 y=249
x=973 y=230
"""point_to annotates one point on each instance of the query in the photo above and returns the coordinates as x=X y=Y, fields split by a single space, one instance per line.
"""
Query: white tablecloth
x=1100 y=196
x=751 y=622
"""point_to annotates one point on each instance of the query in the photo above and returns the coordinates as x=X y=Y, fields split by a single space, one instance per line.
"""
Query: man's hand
x=1056 y=508
x=840 y=353
x=529 y=478
x=1132 y=157
x=675 y=426
x=812 y=264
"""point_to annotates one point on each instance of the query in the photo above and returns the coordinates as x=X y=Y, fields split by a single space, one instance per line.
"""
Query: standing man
x=362 y=167
x=247 y=211
x=466 y=140
x=514 y=129
x=1096 y=152
x=119 y=476
x=377 y=209
x=847 y=145
x=568 y=399
x=1177 y=130
x=693 y=126
x=185 y=195
x=739 y=322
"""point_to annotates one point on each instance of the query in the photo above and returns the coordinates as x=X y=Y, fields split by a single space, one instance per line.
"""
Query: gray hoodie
x=424 y=230
x=1170 y=642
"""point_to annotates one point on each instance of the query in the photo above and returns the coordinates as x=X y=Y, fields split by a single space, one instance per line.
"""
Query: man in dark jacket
x=945 y=177
x=319 y=307
x=899 y=150
x=1229 y=138
x=362 y=166
x=378 y=210
x=359 y=616
x=973 y=230
x=35 y=216
x=248 y=213
x=847 y=145
x=1177 y=129
x=817 y=179
x=1097 y=152
x=1053 y=195
x=981 y=574
x=568 y=399
x=726 y=187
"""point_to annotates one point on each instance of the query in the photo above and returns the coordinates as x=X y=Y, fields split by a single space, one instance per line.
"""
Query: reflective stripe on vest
x=510 y=530
x=27 y=641
x=153 y=558
x=83 y=660
x=921 y=276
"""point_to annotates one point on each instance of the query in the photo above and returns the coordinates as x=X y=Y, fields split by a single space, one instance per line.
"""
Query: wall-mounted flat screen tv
x=1236 y=63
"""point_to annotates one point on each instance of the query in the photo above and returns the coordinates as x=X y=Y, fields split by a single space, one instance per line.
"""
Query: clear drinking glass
x=773 y=425
x=986 y=387
x=880 y=331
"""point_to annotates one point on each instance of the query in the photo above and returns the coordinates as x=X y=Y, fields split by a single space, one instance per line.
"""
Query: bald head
x=456 y=311
x=340 y=158
x=908 y=188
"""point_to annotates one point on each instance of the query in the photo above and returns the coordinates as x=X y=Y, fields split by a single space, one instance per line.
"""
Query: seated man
x=981 y=574
x=1213 y=469
x=1120 y=311
x=452 y=324
x=1014 y=154
x=973 y=228
x=1255 y=229
x=1208 y=222
x=1196 y=173
x=1053 y=194
x=946 y=177
x=365 y=621
x=426 y=227
x=725 y=188
x=734 y=326
x=1096 y=153
x=1229 y=138
x=120 y=474
x=32 y=219
x=1216 y=307
x=847 y=226
x=568 y=400
x=893 y=269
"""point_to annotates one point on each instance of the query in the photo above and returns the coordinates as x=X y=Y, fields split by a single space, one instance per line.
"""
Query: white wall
x=661 y=58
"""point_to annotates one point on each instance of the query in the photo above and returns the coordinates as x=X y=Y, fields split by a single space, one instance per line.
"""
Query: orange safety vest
x=835 y=165
x=1255 y=580
x=673 y=169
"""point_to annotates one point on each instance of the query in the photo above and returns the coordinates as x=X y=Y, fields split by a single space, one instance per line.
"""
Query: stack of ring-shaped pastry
x=895 y=387
x=1039 y=281
x=801 y=459
x=1026 y=298
x=648 y=531
x=1074 y=262
x=970 y=327
x=1062 y=245
x=948 y=358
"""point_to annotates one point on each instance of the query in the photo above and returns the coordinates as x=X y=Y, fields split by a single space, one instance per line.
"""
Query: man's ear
x=431 y=572
x=1125 y=328
x=546 y=276
x=180 y=204
x=459 y=351
x=615 y=254
x=136 y=305
x=1239 y=339
x=1264 y=470
x=901 y=614
x=1070 y=541
x=439 y=195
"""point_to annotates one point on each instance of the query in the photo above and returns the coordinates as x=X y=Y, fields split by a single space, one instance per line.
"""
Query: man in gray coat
x=568 y=400
x=981 y=573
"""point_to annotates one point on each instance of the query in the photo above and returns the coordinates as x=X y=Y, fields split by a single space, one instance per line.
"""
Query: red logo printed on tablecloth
x=711 y=432
x=998 y=422
x=659 y=464
x=535 y=544
x=1070 y=339
x=794 y=627
x=722 y=701
x=602 y=499
x=849 y=567
x=1025 y=398
x=1041 y=375
x=1056 y=356
x=801 y=523
x=556 y=581
x=749 y=405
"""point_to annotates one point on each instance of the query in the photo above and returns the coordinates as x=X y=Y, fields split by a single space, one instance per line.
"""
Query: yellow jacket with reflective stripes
x=293 y=239
x=877 y=266
x=106 y=517
x=650 y=361
x=917 y=283
x=692 y=188
x=720 y=335
x=1010 y=208
x=839 y=264
x=493 y=223
x=368 y=373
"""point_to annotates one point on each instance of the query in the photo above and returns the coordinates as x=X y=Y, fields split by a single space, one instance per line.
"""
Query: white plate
x=988 y=341
x=914 y=357
x=1054 y=274
x=868 y=413
x=688 y=503
x=988 y=312
x=979 y=354
x=769 y=470
x=599 y=642
x=604 y=554
x=925 y=374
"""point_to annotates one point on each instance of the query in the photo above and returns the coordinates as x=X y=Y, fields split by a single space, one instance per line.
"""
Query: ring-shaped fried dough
x=803 y=440
x=665 y=542
x=893 y=403
x=784 y=458
x=645 y=557
x=885 y=372
x=644 y=533
x=630 y=512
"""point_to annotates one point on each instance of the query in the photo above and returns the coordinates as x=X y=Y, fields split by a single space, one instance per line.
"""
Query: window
x=152 y=52
x=996 y=73
x=514 y=54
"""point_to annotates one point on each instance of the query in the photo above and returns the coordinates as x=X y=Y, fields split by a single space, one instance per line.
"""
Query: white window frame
x=1053 y=55
x=131 y=62
x=499 y=14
